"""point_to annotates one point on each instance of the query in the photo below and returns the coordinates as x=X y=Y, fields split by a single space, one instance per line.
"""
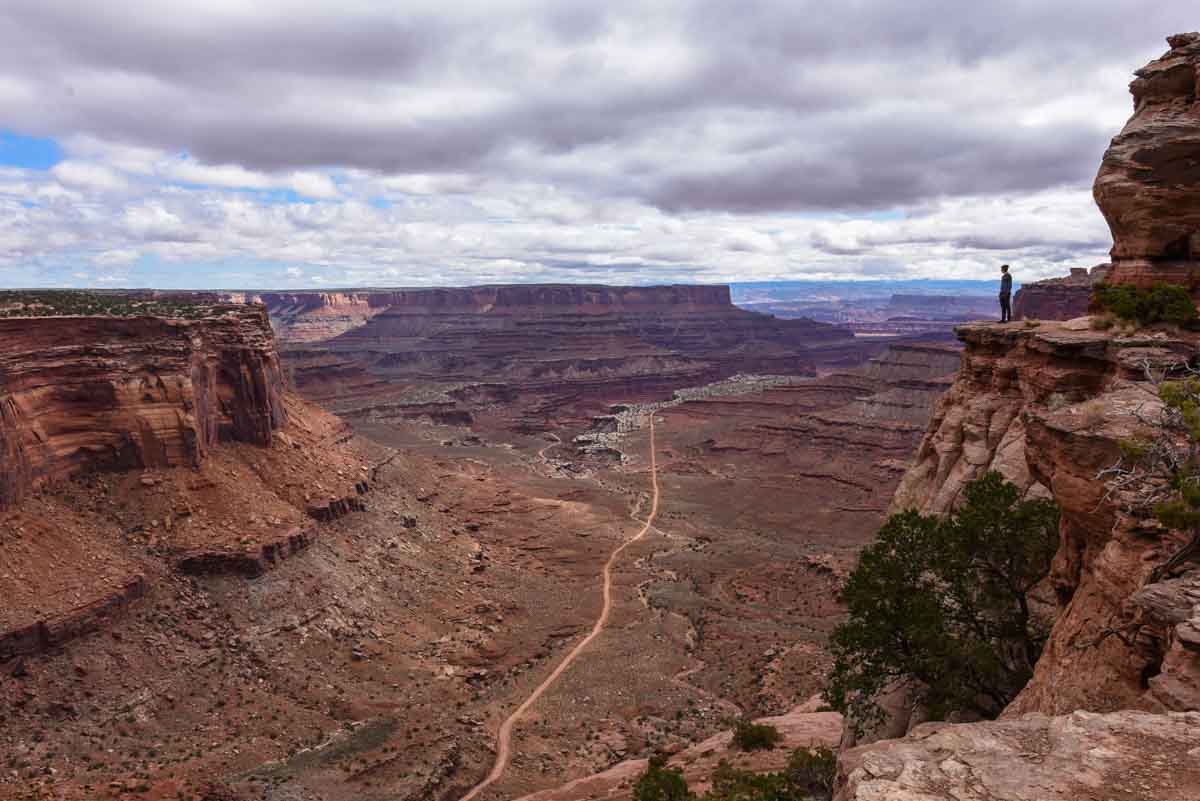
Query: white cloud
x=88 y=176
x=625 y=141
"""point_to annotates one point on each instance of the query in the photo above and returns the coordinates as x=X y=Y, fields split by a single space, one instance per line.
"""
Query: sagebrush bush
x=751 y=736
x=1161 y=303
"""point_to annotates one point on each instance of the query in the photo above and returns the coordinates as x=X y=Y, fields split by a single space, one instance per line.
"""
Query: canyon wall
x=312 y=316
x=1048 y=407
x=1148 y=183
x=1058 y=298
x=537 y=354
x=79 y=393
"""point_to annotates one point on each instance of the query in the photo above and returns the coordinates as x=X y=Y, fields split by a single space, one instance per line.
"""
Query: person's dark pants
x=1005 y=308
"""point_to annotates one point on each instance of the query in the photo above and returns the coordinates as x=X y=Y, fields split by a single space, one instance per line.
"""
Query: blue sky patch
x=28 y=152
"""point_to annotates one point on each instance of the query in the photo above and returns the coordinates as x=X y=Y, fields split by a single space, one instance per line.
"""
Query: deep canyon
x=315 y=546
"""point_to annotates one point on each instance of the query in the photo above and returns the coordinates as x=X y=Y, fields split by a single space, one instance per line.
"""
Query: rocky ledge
x=1078 y=757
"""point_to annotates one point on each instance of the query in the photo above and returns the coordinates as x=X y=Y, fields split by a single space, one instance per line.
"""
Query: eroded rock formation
x=1148 y=186
x=80 y=393
x=1058 y=298
x=1048 y=408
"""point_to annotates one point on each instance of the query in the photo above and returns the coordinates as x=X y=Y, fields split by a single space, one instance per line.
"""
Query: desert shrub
x=751 y=736
x=1161 y=468
x=661 y=783
x=813 y=771
x=1161 y=303
x=731 y=784
x=945 y=604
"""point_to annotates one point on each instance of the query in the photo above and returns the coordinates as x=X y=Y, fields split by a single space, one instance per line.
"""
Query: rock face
x=537 y=350
x=312 y=316
x=79 y=393
x=1127 y=755
x=1048 y=407
x=1148 y=183
x=1058 y=298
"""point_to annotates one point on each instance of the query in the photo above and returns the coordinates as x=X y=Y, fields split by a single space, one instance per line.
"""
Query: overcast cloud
x=275 y=143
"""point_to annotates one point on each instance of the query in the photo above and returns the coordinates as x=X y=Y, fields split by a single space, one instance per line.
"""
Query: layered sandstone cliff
x=312 y=316
x=1048 y=407
x=1058 y=298
x=1148 y=183
x=81 y=393
x=180 y=441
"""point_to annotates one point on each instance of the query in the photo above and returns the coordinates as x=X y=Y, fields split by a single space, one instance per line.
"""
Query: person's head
x=1003 y=268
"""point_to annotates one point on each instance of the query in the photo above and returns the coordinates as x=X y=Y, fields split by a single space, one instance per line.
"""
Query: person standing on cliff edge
x=1005 y=294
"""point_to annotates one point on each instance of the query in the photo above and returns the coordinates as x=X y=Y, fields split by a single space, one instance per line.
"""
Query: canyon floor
x=380 y=660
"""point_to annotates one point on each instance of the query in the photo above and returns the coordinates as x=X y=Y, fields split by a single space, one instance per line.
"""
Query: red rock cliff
x=80 y=393
x=1148 y=186
x=1048 y=407
x=1058 y=298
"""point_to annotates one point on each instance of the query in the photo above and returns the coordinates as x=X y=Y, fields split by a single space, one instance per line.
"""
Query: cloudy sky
x=276 y=143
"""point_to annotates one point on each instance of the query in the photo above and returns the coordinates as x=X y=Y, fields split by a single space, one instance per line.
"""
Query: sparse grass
x=1092 y=412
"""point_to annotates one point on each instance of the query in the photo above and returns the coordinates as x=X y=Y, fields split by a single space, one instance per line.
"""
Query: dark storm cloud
x=707 y=105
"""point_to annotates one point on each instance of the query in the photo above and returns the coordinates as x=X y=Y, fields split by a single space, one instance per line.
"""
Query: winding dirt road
x=555 y=444
x=504 y=738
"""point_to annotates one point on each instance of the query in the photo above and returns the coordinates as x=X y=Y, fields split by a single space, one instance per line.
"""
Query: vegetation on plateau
x=67 y=302
x=809 y=774
x=1162 y=469
x=945 y=604
x=1161 y=303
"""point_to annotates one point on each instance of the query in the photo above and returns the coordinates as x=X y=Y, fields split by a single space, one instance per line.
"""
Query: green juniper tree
x=945 y=603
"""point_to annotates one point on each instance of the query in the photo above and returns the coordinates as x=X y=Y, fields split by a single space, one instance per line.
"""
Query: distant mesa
x=1059 y=298
x=312 y=316
x=1148 y=187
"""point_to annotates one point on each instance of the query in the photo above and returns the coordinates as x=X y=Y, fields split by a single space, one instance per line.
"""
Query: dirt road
x=504 y=738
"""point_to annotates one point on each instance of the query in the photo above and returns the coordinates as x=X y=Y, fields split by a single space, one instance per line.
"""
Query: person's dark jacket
x=1006 y=285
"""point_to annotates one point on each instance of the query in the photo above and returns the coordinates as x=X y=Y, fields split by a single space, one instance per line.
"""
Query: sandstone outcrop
x=1058 y=298
x=1076 y=757
x=1148 y=183
x=135 y=445
x=1048 y=407
x=81 y=393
